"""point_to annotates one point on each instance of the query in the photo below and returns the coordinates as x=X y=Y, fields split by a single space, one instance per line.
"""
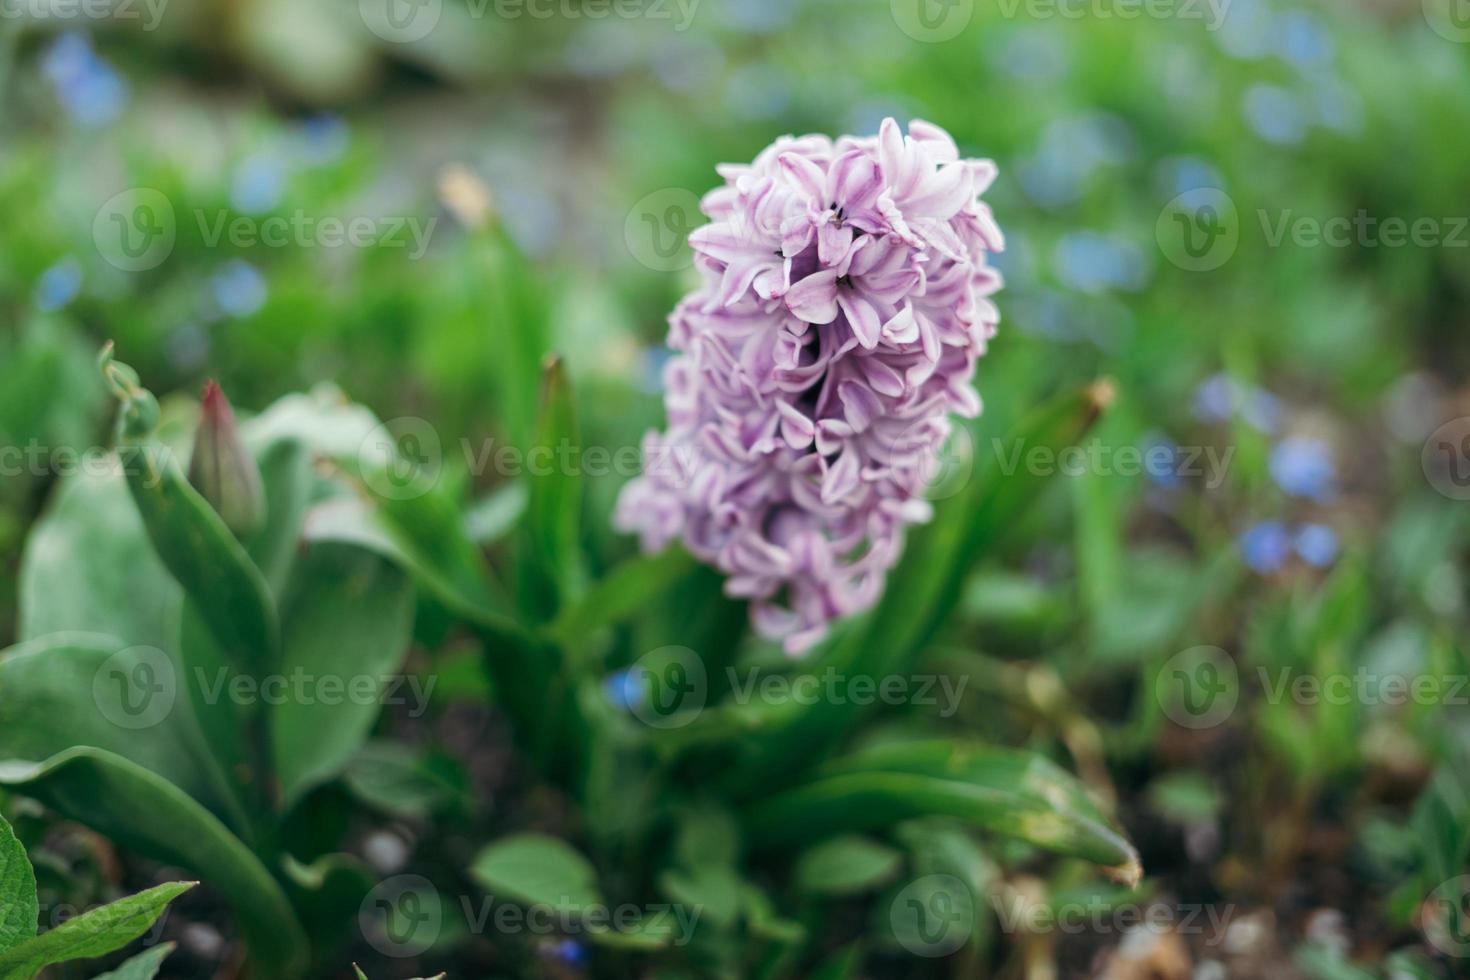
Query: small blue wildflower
x=1302 y=40
x=1161 y=461
x=1317 y=544
x=239 y=289
x=1266 y=547
x=571 y=952
x=1214 y=399
x=1094 y=263
x=59 y=285
x=1303 y=468
x=89 y=90
x=260 y=180
x=623 y=690
x=1275 y=114
x=322 y=139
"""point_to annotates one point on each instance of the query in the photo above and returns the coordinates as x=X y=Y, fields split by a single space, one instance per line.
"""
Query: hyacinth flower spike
x=844 y=302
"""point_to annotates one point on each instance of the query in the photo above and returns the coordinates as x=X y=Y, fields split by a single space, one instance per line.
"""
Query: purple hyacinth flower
x=844 y=303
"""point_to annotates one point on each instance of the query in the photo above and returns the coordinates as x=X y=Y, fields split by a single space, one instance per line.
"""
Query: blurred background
x=1251 y=215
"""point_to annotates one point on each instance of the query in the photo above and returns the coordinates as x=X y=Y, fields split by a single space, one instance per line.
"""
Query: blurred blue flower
x=260 y=180
x=322 y=139
x=1302 y=39
x=1034 y=53
x=1247 y=30
x=1095 y=263
x=570 y=952
x=1219 y=398
x=59 y=285
x=239 y=289
x=1266 y=547
x=1072 y=149
x=1180 y=175
x=1214 y=399
x=1261 y=410
x=1317 y=544
x=1303 y=468
x=1161 y=461
x=623 y=690
x=1275 y=114
x=89 y=90
x=757 y=16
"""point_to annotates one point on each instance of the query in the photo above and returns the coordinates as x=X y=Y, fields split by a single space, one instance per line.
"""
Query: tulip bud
x=221 y=469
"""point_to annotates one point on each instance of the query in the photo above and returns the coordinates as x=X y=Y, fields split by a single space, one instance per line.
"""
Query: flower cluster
x=843 y=307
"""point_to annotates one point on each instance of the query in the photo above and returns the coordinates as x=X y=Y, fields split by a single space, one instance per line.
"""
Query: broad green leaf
x=847 y=865
x=712 y=888
x=74 y=689
x=202 y=554
x=398 y=780
x=286 y=475
x=348 y=620
x=535 y=869
x=89 y=567
x=496 y=515
x=151 y=817
x=92 y=934
x=1004 y=791
x=144 y=966
x=18 y=908
x=621 y=594
x=553 y=562
x=924 y=590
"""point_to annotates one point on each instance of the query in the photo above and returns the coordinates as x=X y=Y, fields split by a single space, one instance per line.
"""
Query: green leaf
x=92 y=934
x=924 y=590
x=89 y=567
x=151 y=817
x=396 y=779
x=203 y=556
x=1001 y=790
x=620 y=594
x=845 y=964
x=713 y=889
x=538 y=870
x=553 y=561
x=73 y=689
x=286 y=475
x=496 y=515
x=847 y=865
x=144 y=966
x=18 y=908
x=349 y=616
